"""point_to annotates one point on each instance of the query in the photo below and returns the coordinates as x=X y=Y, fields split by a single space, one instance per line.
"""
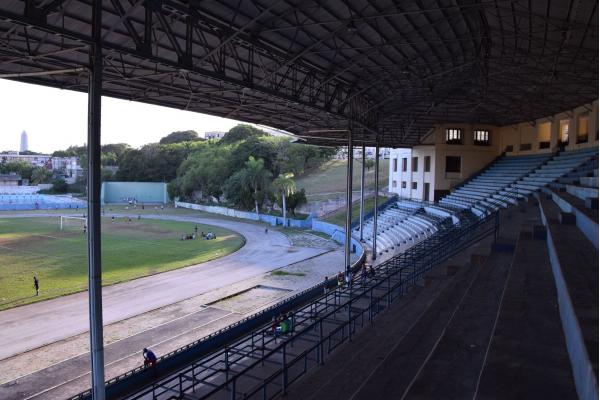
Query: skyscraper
x=24 y=142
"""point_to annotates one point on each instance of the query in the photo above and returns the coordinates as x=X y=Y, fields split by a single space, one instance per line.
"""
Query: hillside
x=329 y=180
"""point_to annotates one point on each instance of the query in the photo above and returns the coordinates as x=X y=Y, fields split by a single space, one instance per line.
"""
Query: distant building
x=24 y=142
x=214 y=135
x=342 y=154
x=67 y=166
x=10 y=180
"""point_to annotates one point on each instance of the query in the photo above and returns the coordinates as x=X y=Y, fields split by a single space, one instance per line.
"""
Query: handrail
x=418 y=259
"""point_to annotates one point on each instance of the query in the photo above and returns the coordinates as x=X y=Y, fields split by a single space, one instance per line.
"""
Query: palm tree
x=256 y=176
x=286 y=185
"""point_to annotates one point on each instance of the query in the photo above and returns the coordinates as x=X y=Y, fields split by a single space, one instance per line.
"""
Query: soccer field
x=37 y=246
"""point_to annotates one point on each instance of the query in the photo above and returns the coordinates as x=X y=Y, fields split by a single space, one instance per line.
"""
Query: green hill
x=329 y=180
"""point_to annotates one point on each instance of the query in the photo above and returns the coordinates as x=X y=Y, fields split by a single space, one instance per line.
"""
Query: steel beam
x=93 y=219
x=362 y=193
x=374 y=255
x=347 y=245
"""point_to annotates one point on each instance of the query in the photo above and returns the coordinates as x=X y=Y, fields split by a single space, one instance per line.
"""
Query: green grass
x=37 y=246
x=329 y=180
x=339 y=217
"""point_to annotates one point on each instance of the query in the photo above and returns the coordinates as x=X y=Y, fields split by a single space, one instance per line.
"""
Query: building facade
x=451 y=153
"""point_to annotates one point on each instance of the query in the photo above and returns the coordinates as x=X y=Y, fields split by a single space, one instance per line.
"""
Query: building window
x=414 y=185
x=544 y=145
x=509 y=148
x=395 y=165
x=404 y=163
x=452 y=164
x=394 y=184
x=415 y=166
x=403 y=184
x=427 y=163
x=481 y=137
x=453 y=136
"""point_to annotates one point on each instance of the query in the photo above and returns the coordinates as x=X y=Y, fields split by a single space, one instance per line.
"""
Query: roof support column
x=93 y=219
x=362 y=193
x=374 y=255
x=347 y=245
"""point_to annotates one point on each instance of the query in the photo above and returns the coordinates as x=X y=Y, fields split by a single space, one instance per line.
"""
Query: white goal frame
x=65 y=217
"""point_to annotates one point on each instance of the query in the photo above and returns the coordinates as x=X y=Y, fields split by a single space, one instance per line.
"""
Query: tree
x=295 y=200
x=241 y=132
x=285 y=185
x=369 y=163
x=40 y=175
x=59 y=186
x=256 y=176
x=179 y=137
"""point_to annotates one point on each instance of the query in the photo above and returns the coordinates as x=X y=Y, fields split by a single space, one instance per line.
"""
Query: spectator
x=149 y=358
x=363 y=275
x=325 y=286
x=340 y=279
x=266 y=230
x=36 y=285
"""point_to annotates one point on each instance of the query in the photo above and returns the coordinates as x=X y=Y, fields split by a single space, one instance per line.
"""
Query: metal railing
x=263 y=365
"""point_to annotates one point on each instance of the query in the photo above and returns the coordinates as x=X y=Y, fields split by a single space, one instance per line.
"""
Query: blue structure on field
x=141 y=192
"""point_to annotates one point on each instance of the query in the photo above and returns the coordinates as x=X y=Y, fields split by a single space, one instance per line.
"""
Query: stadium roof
x=389 y=69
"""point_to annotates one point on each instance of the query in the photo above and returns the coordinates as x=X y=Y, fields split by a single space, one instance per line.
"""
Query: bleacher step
x=528 y=357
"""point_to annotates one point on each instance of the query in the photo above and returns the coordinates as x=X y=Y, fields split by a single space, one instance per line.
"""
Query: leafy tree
x=241 y=132
x=180 y=136
x=295 y=200
x=59 y=186
x=29 y=153
x=256 y=176
x=40 y=175
x=286 y=186
x=22 y=168
x=369 y=163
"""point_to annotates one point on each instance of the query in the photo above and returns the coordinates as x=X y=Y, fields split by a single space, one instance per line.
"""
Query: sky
x=55 y=119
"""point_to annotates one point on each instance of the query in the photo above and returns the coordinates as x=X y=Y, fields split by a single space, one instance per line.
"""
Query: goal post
x=64 y=221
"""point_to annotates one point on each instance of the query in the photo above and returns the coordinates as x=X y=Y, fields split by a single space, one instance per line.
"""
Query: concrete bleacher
x=485 y=327
x=23 y=202
x=562 y=164
x=490 y=189
x=510 y=179
x=574 y=260
x=399 y=226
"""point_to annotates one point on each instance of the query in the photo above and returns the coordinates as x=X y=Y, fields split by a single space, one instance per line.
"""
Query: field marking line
x=120 y=359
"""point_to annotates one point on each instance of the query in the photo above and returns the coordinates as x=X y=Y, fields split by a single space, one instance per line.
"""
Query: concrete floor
x=28 y=327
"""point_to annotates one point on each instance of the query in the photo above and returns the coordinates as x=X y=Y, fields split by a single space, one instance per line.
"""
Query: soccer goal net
x=67 y=222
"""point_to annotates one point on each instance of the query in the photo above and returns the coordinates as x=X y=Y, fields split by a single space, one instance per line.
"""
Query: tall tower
x=24 y=142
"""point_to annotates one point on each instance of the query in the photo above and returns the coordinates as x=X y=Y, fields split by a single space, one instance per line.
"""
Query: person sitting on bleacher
x=340 y=279
x=149 y=358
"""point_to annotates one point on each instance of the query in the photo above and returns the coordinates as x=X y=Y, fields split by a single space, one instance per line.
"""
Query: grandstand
x=22 y=202
x=488 y=282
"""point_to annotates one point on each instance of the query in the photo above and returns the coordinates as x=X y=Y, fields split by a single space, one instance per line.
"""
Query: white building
x=24 y=142
x=214 y=135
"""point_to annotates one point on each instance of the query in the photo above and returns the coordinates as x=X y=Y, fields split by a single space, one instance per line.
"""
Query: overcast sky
x=56 y=119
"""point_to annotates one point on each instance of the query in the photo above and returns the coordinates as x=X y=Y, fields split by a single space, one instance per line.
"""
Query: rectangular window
x=452 y=164
x=414 y=185
x=415 y=166
x=509 y=148
x=404 y=163
x=427 y=163
x=453 y=136
x=481 y=137
x=403 y=184
x=395 y=165
x=394 y=184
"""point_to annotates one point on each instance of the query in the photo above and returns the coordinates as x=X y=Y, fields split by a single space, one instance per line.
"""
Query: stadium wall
x=143 y=192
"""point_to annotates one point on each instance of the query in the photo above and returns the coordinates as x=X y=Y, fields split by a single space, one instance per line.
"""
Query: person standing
x=36 y=285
